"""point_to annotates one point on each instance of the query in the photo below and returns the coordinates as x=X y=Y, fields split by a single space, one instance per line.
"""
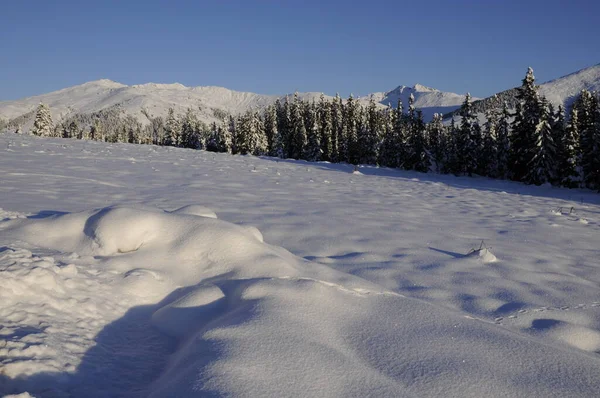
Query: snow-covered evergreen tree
x=503 y=142
x=568 y=151
x=452 y=165
x=270 y=124
x=488 y=160
x=369 y=135
x=312 y=150
x=418 y=159
x=468 y=140
x=325 y=122
x=42 y=125
x=172 y=129
x=542 y=168
x=190 y=132
x=298 y=129
x=588 y=110
x=349 y=143
x=388 y=153
x=258 y=138
x=437 y=142
x=526 y=120
x=338 y=148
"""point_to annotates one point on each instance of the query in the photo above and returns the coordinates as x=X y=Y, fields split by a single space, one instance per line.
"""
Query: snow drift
x=137 y=301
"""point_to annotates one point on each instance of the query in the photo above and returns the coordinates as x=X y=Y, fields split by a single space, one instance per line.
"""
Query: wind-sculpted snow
x=249 y=319
x=390 y=290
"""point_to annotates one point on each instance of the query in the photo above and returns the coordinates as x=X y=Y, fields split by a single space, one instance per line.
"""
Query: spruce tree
x=588 y=110
x=437 y=142
x=270 y=124
x=488 y=160
x=468 y=140
x=503 y=143
x=298 y=129
x=453 y=165
x=418 y=159
x=325 y=122
x=258 y=138
x=42 y=125
x=569 y=151
x=337 y=130
x=369 y=135
x=312 y=150
x=526 y=120
x=190 y=135
x=172 y=129
x=283 y=125
x=542 y=167
x=388 y=154
x=349 y=153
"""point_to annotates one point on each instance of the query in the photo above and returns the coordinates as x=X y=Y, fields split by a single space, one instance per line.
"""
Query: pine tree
x=453 y=165
x=418 y=159
x=569 y=151
x=468 y=140
x=312 y=150
x=388 y=154
x=241 y=138
x=588 y=110
x=338 y=153
x=42 y=125
x=503 y=143
x=270 y=122
x=172 y=129
x=283 y=120
x=298 y=129
x=349 y=152
x=368 y=137
x=488 y=165
x=437 y=142
x=324 y=118
x=527 y=118
x=258 y=138
x=542 y=168
x=190 y=134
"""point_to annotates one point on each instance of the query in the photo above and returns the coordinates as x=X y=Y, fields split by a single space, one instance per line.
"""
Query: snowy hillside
x=158 y=98
x=136 y=270
x=562 y=91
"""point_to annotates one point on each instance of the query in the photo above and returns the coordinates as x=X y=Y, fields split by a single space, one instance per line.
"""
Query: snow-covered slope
x=286 y=278
x=158 y=98
x=562 y=91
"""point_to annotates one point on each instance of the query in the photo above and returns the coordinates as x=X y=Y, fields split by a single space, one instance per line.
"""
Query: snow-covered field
x=117 y=279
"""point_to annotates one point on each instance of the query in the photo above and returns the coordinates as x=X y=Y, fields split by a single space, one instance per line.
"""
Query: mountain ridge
x=206 y=101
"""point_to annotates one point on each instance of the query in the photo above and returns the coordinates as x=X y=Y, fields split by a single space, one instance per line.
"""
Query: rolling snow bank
x=137 y=301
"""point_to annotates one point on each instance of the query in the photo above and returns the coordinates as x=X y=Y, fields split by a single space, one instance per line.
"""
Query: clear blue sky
x=276 y=47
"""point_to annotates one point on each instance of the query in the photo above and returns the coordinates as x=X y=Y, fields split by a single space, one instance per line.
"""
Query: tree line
x=533 y=143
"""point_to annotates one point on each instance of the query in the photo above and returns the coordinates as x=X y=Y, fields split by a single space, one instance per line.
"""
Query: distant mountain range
x=208 y=102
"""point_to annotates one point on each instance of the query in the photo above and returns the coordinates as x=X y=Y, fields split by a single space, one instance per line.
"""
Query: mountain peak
x=105 y=83
x=420 y=87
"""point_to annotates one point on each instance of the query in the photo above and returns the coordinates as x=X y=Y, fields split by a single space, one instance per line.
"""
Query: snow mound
x=139 y=301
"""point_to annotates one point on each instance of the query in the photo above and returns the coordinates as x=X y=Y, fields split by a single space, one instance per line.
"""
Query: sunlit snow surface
x=118 y=279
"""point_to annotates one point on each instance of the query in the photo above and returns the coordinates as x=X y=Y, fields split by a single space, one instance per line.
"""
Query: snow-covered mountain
x=428 y=100
x=156 y=99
